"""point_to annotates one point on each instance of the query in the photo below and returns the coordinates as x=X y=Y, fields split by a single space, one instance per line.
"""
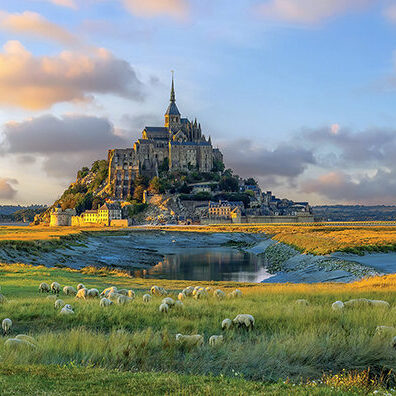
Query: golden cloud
x=7 y=191
x=38 y=82
x=151 y=8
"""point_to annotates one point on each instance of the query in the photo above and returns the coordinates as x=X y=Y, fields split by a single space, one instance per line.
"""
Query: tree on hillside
x=155 y=186
x=138 y=193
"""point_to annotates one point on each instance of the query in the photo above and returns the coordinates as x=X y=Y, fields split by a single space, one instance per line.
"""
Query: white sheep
x=6 y=325
x=357 y=302
x=200 y=294
x=146 y=298
x=105 y=302
x=114 y=295
x=169 y=301
x=164 y=308
x=179 y=304
x=379 y=304
x=236 y=293
x=302 y=302
x=219 y=294
x=190 y=340
x=18 y=343
x=244 y=320
x=44 y=288
x=216 y=340
x=59 y=304
x=131 y=294
x=92 y=293
x=158 y=291
x=226 y=324
x=55 y=287
x=209 y=289
x=337 y=306
x=121 y=299
x=69 y=291
x=26 y=338
x=82 y=293
x=107 y=291
x=188 y=291
x=181 y=296
x=80 y=286
x=124 y=292
x=67 y=310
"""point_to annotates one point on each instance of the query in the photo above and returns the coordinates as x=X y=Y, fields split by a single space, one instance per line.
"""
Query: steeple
x=172 y=115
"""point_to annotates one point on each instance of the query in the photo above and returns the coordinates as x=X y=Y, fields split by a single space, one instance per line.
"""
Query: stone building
x=179 y=144
x=61 y=217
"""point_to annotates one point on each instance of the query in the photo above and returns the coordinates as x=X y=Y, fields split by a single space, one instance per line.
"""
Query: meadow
x=305 y=349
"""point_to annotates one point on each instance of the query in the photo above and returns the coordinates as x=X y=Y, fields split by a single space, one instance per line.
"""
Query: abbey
x=179 y=145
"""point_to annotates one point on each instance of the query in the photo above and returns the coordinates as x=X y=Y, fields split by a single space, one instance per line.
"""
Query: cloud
x=62 y=3
x=178 y=9
x=339 y=186
x=38 y=82
x=33 y=24
x=7 y=191
x=250 y=160
x=309 y=11
x=390 y=12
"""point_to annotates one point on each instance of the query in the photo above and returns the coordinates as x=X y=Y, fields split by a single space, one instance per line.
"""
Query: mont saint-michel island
x=197 y=197
x=171 y=175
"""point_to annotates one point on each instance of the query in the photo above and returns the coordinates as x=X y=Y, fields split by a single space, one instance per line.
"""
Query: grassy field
x=134 y=345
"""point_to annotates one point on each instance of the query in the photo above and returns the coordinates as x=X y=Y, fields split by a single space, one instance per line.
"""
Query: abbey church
x=179 y=144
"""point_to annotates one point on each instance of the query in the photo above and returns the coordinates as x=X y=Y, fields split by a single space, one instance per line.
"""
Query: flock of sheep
x=113 y=295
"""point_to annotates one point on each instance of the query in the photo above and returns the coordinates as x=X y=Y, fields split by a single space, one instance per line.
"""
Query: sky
x=299 y=94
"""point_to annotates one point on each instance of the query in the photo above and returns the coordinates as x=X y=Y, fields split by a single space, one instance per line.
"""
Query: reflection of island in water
x=219 y=264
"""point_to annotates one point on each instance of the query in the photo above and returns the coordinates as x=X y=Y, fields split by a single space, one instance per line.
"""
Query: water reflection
x=220 y=264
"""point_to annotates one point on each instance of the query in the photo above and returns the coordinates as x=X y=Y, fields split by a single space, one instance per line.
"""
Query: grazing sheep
x=209 y=289
x=124 y=292
x=181 y=296
x=188 y=291
x=236 y=293
x=26 y=338
x=219 y=294
x=6 y=325
x=244 y=320
x=379 y=304
x=226 y=324
x=131 y=294
x=18 y=343
x=190 y=340
x=200 y=294
x=169 y=301
x=44 y=288
x=55 y=287
x=179 y=304
x=121 y=299
x=113 y=296
x=164 y=308
x=337 y=306
x=382 y=331
x=302 y=302
x=59 y=304
x=357 y=302
x=106 y=292
x=92 y=293
x=158 y=291
x=216 y=340
x=82 y=293
x=69 y=291
x=105 y=302
x=146 y=298
x=67 y=310
x=80 y=286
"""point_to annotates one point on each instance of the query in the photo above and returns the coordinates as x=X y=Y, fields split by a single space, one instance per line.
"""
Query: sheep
x=188 y=291
x=113 y=296
x=18 y=343
x=216 y=340
x=226 y=324
x=107 y=291
x=146 y=298
x=169 y=301
x=124 y=292
x=69 y=291
x=236 y=293
x=244 y=320
x=121 y=299
x=302 y=302
x=55 y=287
x=190 y=340
x=59 y=304
x=201 y=293
x=92 y=293
x=44 y=288
x=179 y=304
x=164 y=308
x=181 y=296
x=82 y=293
x=105 y=302
x=209 y=289
x=26 y=338
x=379 y=303
x=158 y=291
x=131 y=294
x=80 y=286
x=6 y=325
x=67 y=310
x=337 y=306
x=219 y=294
x=51 y=297
x=357 y=302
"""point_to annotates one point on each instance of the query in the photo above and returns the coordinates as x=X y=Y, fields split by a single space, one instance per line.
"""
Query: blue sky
x=298 y=93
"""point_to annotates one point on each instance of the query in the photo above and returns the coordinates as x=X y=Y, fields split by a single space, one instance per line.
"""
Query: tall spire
x=173 y=96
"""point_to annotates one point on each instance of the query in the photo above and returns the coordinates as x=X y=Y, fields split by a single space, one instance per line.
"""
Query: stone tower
x=172 y=115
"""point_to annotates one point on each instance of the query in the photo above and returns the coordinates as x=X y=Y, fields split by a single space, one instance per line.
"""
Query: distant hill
x=355 y=213
x=18 y=213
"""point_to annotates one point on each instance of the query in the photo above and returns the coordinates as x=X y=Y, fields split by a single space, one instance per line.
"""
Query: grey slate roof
x=172 y=109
